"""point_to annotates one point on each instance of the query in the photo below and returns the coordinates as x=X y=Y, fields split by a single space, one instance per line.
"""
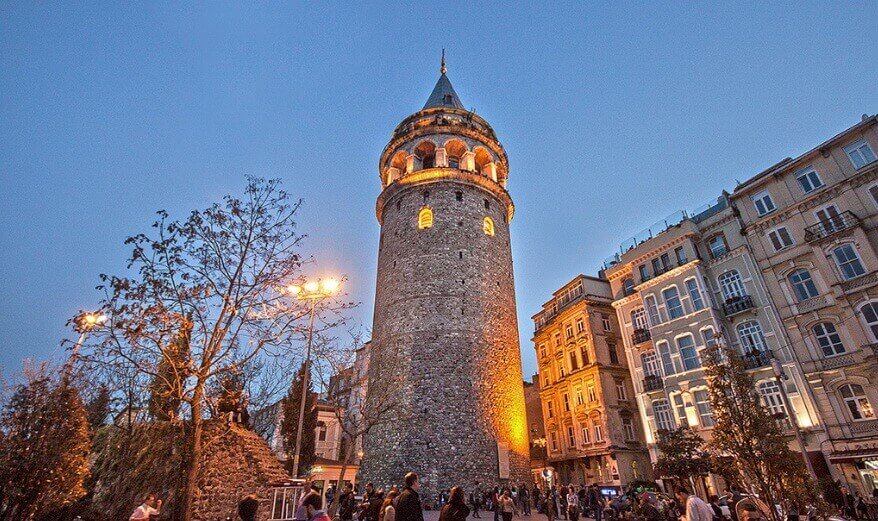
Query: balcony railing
x=830 y=226
x=756 y=359
x=653 y=383
x=738 y=305
x=640 y=336
x=836 y=362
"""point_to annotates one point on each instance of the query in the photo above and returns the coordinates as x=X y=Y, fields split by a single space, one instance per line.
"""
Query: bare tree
x=219 y=274
x=342 y=373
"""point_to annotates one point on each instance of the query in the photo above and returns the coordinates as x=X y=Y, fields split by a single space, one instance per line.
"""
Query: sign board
x=503 y=460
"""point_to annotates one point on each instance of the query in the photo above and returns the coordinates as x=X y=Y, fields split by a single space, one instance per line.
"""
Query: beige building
x=593 y=430
x=811 y=223
x=679 y=286
x=533 y=407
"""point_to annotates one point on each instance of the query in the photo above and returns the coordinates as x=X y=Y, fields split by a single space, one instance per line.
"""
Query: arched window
x=869 y=312
x=802 y=284
x=752 y=339
x=694 y=294
x=425 y=218
x=688 y=354
x=772 y=399
x=488 y=226
x=731 y=285
x=856 y=400
x=426 y=152
x=828 y=338
x=672 y=302
x=848 y=262
x=628 y=286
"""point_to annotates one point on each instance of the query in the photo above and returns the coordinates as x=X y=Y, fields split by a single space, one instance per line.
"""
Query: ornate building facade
x=594 y=433
x=445 y=335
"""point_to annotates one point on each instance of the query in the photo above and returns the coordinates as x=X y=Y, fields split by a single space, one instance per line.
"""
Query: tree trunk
x=339 y=485
x=195 y=453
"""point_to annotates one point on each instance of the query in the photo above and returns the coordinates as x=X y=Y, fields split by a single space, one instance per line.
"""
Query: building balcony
x=640 y=336
x=756 y=359
x=831 y=226
x=837 y=362
x=864 y=427
x=737 y=305
x=653 y=383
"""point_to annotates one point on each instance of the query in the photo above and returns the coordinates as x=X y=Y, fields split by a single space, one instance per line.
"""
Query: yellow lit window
x=488 y=227
x=425 y=218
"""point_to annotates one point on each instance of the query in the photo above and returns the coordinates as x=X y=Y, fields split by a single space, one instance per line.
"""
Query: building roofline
x=785 y=164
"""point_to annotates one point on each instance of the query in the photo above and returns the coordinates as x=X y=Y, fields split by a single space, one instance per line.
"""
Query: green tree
x=748 y=438
x=45 y=449
x=682 y=455
x=290 y=407
x=168 y=385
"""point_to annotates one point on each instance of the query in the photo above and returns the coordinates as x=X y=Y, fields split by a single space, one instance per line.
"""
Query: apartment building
x=678 y=287
x=811 y=225
x=593 y=430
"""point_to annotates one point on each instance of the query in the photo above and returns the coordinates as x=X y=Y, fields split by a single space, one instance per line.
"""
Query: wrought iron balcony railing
x=756 y=359
x=738 y=305
x=831 y=226
x=640 y=336
x=653 y=383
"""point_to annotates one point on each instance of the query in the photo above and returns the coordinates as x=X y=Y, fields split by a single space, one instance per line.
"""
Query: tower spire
x=443 y=69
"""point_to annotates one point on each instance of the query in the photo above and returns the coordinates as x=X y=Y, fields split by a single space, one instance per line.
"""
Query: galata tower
x=445 y=333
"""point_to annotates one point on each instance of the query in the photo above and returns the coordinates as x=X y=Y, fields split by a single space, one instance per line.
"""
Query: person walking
x=408 y=505
x=572 y=505
x=596 y=502
x=314 y=508
x=495 y=503
x=507 y=505
x=475 y=498
x=455 y=509
x=524 y=496
x=347 y=504
x=388 y=507
x=695 y=507
x=548 y=505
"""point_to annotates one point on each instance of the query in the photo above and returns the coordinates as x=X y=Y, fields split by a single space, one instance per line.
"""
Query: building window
x=425 y=218
x=860 y=154
x=664 y=352
x=717 y=245
x=614 y=355
x=688 y=354
x=708 y=336
x=580 y=325
x=562 y=371
x=542 y=351
x=586 y=434
x=574 y=362
x=571 y=437
x=605 y=322
x=829 y=219
x=321 y=431
x=458 y=195
x=666 y=261
x=584 y=353
x=856 y=400
x=661 y=411
x=621 y=392
x=628 y=428
x=869 y=312
x=566 y=400
x=680 y=253
x=780 y=238
x=569 y=332
x=680 y=409
x=488 y=226
x=763 y=203
x=772 y=399
x=643 y=273
x=657 y=267
x=638 y=319
x=873 y=191
x=694 y=294
x=553 y=436
x=592 y=396
x=652 y=309
x=453 y=162
x=752 y=339
x=848 y=262
x=598 y=430
x=628 y=286
x=803 y=285
x=828 y=339
x=730 y=284
x=673 y=303
x=557 y=338
x=809 y=180
x=649 y=363
x=579 y=399
x=550 y=409
x=702 y=404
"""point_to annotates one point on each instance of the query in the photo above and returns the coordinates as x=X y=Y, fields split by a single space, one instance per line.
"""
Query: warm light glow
x=93 y=319
x=488 y=227
x=329 y=286
x=425 y=218
x=312 y=286
x=294 y=289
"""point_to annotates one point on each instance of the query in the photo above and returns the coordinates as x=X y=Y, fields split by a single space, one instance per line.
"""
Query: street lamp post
x=312 y=292
x=82 y=324
x=780 y=376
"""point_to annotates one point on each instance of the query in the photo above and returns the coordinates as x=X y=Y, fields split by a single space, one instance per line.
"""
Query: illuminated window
x=488 y=227
x=858 y=404
x=425 y=218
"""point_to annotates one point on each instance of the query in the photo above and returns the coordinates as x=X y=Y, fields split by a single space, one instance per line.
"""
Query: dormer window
x=447 y=99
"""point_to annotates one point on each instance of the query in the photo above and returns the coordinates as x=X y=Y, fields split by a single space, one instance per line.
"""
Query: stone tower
x=445 y=332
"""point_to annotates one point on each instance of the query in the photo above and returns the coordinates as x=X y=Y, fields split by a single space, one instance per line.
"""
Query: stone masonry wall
x=445 y=319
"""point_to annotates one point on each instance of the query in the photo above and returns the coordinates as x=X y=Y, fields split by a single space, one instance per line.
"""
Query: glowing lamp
x=329 y=286
x=312 y=286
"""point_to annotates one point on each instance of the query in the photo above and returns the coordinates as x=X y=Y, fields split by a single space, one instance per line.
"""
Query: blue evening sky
x=614 y=115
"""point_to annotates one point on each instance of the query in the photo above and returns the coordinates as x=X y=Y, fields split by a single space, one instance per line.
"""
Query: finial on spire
x=443 y=70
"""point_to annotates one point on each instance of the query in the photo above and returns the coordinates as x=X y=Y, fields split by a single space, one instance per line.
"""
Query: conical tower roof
x=443 y=94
